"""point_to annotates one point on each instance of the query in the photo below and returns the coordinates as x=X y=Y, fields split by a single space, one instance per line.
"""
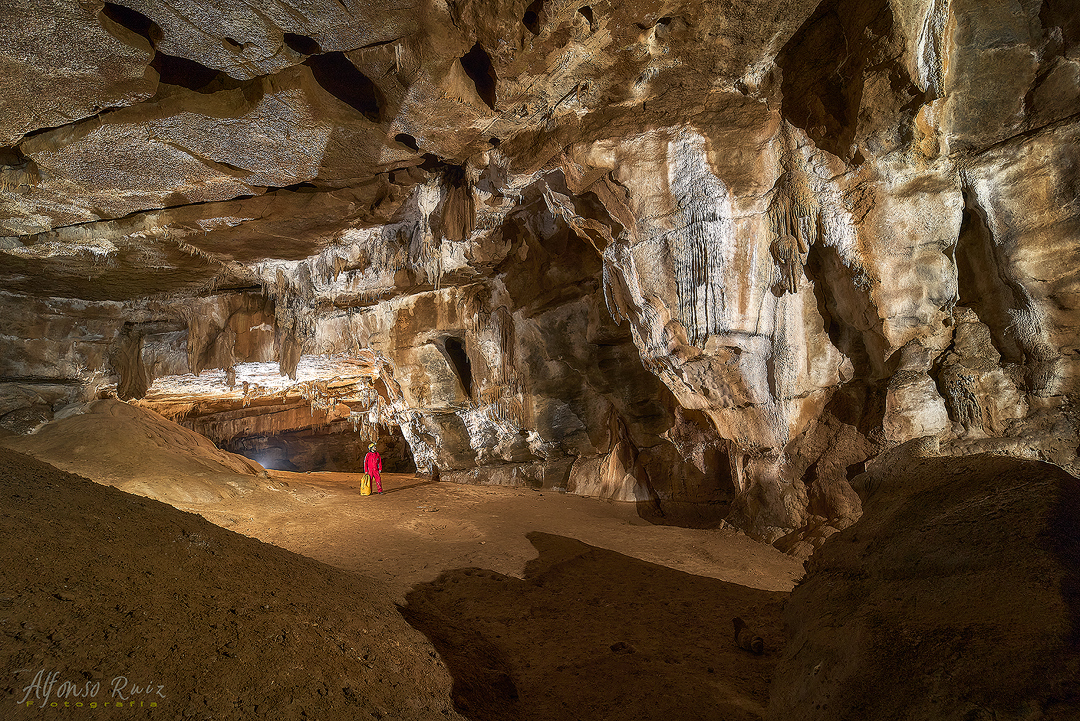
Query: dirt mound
x=131 y=603
x=138 y=451
x=956 y=596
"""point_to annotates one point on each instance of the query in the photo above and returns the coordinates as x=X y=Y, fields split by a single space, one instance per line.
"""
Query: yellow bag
x=365 y=484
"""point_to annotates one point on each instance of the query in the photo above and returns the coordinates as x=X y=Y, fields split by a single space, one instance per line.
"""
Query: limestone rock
x=951 y=597
x=61 y=61
x=681 y=254
x=913 y=408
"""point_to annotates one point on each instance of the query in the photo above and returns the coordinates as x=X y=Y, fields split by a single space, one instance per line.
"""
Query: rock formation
x=688 y=252
x=955 y=597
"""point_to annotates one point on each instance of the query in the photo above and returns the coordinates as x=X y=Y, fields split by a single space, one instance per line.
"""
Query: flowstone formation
x=692 y=252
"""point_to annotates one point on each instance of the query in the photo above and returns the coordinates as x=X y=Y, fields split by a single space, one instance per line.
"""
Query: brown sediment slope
x=140 y=452
x=955 y=597
x=616 y=615
x=100 y=585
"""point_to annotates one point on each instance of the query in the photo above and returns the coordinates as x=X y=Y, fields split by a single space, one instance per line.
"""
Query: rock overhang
x=707 y=205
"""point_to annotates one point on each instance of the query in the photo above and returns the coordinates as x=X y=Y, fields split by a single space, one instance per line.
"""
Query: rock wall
x=955 y=597
x=679 y=253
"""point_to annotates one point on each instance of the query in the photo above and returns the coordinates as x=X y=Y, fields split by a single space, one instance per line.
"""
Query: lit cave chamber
x=666 y=319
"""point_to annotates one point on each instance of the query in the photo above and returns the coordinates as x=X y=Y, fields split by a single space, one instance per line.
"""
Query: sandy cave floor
x=587 y=609
x=541 y=605
x=418 y=528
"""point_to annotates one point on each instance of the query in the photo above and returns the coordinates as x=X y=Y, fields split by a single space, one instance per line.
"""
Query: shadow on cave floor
x=592 y=634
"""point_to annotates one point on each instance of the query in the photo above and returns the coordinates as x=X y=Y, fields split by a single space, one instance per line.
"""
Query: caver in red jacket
x=373 y=467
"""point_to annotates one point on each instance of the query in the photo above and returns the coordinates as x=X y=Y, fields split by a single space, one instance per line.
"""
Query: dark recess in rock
x=587 y=13
x=183 y=72
x=41 y=380
x=981 y=283
x=825 y=65
x=340 y=78
x=296 y=188
x=824 y=265
x=455 y=350
x=477 y=65
x=302 y=44
x=408 y=141
x=531 y=18
x=134 y=21
x=1061 y=14
x=432 y=163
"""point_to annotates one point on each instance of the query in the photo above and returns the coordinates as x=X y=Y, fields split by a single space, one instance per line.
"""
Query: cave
x=339 y=77
x=532 y=17
x=455 y=349
x=323 y=449
x=717 y=362
x=477 y=65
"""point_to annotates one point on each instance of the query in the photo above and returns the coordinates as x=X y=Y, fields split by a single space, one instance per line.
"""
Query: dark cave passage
x=339 y=77
x=336 y=448
x=459 y=359
x=477 y=65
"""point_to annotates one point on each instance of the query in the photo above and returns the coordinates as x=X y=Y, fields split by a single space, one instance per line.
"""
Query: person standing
x=373 y=467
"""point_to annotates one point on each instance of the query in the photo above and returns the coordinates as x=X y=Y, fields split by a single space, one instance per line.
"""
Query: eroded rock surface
x=663 y=253
x=954 y=597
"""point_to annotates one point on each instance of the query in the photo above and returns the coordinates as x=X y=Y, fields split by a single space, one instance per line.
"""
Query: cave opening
x=531 y=18
x=173 y=70
x=334 y=448
x=134 y=21
x=408 y=141
x=477 y=65
x=459 y=360
x=980 y=282
x=302 y=44
x=339 y=77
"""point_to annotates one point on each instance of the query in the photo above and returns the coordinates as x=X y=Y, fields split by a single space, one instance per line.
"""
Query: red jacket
x=373 y=464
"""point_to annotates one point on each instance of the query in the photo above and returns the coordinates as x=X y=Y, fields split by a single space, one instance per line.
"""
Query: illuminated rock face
x=647 y=252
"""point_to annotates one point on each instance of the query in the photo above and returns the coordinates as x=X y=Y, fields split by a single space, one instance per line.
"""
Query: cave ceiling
x=712 y=251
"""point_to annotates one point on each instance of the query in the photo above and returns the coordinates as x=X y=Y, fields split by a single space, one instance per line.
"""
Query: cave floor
x=544 y=604
x=418 y=529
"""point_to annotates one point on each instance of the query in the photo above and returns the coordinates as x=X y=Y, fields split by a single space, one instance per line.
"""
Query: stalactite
x=134 y=380
x=425 y=242
x=470 y=305
x=294 y=317
x=458 y=205
x=794 y=214
x=375 y=410
x=19 y=178
x=505 y=397
x=501 y=395
x=612 y=296
x=932 y=50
